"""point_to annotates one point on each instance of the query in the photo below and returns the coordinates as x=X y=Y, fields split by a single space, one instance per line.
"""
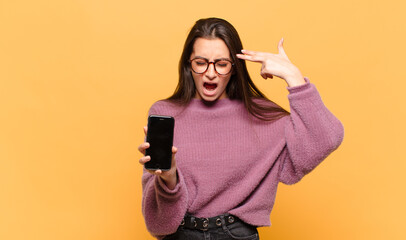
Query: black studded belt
x=205 y=224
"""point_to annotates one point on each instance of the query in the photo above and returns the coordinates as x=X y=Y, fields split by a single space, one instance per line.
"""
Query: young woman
x=233 y=145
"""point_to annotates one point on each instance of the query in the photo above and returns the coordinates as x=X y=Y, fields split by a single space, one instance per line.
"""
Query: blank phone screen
x=160 y=138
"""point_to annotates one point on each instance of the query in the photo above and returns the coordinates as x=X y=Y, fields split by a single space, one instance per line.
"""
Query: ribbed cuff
x=163 y=190
x=300 y=87
x=306 y=91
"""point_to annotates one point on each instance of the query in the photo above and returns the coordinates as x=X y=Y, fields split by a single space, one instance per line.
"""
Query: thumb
x=281 y=49
x=174 y=150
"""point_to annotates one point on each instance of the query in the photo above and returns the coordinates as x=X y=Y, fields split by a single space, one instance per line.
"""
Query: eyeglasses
x=221 y=66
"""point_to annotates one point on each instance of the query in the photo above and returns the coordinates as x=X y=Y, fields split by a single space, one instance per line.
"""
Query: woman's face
x=210 y=85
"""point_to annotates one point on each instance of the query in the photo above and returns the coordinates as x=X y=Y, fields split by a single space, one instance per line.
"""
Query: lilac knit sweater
x=230 y=162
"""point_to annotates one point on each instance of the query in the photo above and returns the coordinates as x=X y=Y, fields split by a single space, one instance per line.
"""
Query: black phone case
x=160 y=137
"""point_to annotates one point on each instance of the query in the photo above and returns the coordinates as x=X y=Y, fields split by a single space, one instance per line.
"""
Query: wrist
x=170 y=180
x=295 y=79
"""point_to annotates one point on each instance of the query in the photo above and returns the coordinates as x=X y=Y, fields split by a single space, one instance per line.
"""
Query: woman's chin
x=207 y=95
x=208 y=98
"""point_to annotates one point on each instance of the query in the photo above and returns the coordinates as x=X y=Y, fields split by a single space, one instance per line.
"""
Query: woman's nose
x=211 y=72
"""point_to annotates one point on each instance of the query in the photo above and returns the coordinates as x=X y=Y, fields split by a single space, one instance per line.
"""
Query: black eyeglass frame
x=214 y=65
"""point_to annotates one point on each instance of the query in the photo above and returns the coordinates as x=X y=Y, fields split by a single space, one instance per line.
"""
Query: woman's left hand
x=275 y=65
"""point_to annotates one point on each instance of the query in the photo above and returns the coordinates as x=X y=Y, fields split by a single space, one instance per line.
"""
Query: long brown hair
x=240 y=85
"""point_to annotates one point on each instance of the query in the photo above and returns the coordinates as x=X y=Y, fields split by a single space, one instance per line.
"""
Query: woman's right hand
x=169 y=177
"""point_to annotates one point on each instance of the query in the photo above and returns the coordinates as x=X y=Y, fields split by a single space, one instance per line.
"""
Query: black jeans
x=236 y=230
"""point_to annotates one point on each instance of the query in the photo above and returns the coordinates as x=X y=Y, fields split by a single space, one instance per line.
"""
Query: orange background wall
x=77 y=79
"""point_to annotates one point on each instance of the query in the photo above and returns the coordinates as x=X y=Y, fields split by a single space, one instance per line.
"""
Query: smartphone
x=160 y=138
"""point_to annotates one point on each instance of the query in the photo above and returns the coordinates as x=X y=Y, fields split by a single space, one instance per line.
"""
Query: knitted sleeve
x=163 y=208
x=311 y=133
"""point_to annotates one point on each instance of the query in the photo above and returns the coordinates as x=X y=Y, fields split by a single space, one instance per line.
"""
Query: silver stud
x=206 y=223
x=218 y=222
x=230 y=219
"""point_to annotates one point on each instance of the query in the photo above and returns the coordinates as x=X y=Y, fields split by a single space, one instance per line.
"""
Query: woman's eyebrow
x=217 y=59
x=222 y=59
x=201 y=57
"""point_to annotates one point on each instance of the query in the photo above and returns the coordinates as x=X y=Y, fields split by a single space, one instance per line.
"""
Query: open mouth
x=210 y=86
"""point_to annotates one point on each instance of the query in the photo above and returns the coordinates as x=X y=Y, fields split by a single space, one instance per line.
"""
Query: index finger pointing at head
x=250 y=52
x=252 y=58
